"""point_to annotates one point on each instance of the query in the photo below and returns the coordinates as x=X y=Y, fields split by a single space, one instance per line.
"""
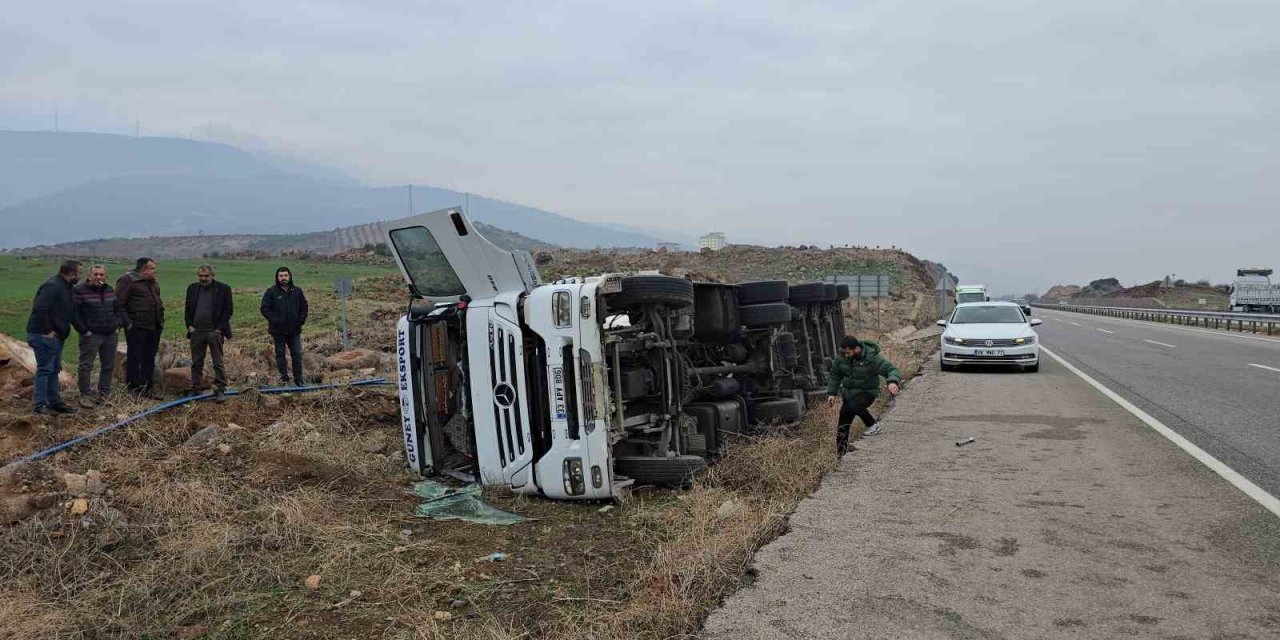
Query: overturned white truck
x=579 y=388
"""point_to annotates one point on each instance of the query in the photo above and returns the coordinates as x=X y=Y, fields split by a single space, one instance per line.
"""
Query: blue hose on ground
x=39 y=455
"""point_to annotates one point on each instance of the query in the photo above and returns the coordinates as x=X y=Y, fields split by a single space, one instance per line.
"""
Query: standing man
x=285 y=308
x=47 y=329
x=208 y=316
x=138 y=297
x=855 y=377
x=97 y=319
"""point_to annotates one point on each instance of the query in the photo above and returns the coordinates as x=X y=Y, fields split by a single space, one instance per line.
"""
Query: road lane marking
x=1263 y=366
x=1076 y=324
x=1270 y=502
x=1178 y=327
x=1105 y=331
x=1160 y=343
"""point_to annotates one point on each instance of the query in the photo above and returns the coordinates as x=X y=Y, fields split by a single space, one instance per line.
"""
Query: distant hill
x=322 y=242
x=61 y=187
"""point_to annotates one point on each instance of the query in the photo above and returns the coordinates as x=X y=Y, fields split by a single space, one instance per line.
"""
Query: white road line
x=1230 y=475
x=1105 y=331
x=1076 y=324
x=1263 y=366
x=1178 y=327
x=1160 y=343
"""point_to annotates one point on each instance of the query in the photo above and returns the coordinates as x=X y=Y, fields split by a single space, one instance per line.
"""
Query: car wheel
x=764 y=291
x=764 y=315
x=664 y=472
x=676 y=293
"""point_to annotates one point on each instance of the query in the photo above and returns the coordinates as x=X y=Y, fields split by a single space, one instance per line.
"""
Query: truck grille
x=506 y=397
x=587 y=383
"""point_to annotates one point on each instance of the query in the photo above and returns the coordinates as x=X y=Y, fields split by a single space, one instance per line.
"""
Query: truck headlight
x=951 y=340
x=574 y=482
x=1027 y=340
x=562 y=308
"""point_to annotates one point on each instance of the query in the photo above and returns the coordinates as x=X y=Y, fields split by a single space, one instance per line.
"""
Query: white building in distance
x=714 y=241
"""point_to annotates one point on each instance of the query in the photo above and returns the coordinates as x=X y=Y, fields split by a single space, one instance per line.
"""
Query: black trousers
x=294 y=342
x=849 y=411
x=140 y=361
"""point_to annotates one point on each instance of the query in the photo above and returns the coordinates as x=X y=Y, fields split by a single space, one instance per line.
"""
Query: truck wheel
x=664 y=472
x=764 y=291
x=829 y=293
x=808 y=292
x=842 y=292
x=764 y=315
x=780 y=410
x=676 y=293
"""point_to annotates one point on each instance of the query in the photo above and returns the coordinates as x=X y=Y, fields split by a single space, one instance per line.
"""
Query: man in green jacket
x=855 y=378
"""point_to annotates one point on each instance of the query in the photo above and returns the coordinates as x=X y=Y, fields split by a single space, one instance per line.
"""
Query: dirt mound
x=1060 y=292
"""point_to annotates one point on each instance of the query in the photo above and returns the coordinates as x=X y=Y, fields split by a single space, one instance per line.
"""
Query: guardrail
x=1250 y=322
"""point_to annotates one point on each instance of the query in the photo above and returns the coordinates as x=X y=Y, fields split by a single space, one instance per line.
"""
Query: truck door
x=442 y=256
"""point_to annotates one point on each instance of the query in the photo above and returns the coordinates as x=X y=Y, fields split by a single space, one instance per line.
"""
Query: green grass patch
x=20 y=276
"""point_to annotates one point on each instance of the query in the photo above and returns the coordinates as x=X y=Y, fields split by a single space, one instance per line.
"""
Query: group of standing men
x=97 y=312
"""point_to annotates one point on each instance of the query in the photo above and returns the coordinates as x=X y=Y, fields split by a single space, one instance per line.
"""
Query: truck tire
x=808 y=292
x=764 y=291
x=665 y=472
x=764 y=315
x=637 y=291
x=842 y=292
x=829 y=293
x=779 y=410
x=716 y=315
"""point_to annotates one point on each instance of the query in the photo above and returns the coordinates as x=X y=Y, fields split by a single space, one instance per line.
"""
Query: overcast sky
x=1022 y=143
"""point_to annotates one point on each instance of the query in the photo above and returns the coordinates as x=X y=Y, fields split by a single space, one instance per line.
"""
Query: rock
x=399 y=549
x=442 y=616
x=729 y=508
x=312 y=581
x=355 y=594
x=354 y=359
x=457 y=604
x=231 y=426
x=178 y=379
x=89 y=484
x=224 y=449
x=366 y=372
x=78 y=507
x=203 y=437
x=374 y=446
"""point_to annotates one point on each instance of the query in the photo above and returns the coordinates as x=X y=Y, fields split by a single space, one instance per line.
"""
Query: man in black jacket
x=138 y=296
x=47 y=329
x=208 y=315
x=285 y=308
x=97 y=319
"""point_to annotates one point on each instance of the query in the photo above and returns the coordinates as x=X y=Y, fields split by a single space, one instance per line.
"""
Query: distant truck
x=1253 y=292
x=971 y=293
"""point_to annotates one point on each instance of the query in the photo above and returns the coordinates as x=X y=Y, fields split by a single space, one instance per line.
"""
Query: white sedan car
x=990 y=333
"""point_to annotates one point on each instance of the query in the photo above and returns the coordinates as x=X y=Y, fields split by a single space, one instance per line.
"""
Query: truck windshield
x=425 y=265
x=987 y=315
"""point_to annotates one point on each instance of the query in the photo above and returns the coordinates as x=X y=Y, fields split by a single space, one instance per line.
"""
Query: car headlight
x=951 y=340
x=1026 y=340
x=562 y=308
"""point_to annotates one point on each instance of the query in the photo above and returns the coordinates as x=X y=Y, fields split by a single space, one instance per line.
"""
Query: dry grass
x=201 y=543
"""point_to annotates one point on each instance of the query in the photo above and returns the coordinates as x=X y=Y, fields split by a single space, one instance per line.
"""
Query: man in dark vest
x=208 y=316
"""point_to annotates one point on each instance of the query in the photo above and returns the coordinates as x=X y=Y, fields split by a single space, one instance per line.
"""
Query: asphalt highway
x=1220 y=390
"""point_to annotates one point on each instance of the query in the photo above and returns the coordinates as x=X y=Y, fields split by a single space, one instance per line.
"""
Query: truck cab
x=971 y=293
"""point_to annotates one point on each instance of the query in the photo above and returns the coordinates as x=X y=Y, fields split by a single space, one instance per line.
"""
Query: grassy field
x=20 y=276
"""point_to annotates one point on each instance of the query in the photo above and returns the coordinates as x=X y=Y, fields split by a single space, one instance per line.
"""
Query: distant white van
x=971 y=293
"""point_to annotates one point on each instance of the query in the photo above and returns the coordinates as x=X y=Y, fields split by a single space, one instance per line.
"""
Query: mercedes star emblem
x=503 y=395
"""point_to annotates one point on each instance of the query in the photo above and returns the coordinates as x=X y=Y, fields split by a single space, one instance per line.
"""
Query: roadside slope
x=1066 y=518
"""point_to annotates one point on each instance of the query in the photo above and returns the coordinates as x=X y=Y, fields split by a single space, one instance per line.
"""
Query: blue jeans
x=46 y=392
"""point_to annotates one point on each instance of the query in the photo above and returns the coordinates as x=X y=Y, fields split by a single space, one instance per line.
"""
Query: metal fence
x=1251 y=322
